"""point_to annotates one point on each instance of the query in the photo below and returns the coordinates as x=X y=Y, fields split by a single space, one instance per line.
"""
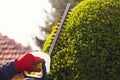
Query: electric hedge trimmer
x=45 y=66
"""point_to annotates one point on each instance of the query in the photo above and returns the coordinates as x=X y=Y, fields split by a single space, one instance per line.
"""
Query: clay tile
x=11 y=51
x=4 y=56
x=8 y=56
x=13 y=56
x=7 y=51
x=18 y=55
x=5 y=46
x=10 y=46
x=1 y=46
x=2 y=41
x=15 y=51
x=1 y=56
x=0 y=50
x=3 y=51
x=3 y=61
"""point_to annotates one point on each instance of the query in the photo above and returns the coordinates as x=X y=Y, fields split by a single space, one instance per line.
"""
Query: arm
x=23 y=63
x=7 y=71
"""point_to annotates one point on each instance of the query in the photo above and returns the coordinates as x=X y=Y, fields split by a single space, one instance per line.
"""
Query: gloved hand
x=27 y=62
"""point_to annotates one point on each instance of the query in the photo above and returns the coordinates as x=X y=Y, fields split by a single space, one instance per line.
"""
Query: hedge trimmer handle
x=41 y=74
x=43 y=67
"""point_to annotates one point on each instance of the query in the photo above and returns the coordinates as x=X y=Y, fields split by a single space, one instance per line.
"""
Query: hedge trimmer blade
x=59 y=29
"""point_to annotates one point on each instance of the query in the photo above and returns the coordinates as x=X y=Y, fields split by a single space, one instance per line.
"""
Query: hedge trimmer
x=45 y=67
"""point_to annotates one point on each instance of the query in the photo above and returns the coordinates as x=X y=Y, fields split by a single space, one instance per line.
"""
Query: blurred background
x=29 y=22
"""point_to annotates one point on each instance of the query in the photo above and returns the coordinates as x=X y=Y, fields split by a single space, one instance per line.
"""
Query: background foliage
x=88 y=47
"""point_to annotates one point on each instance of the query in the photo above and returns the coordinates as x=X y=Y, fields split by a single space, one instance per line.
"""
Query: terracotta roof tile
x=10 y=49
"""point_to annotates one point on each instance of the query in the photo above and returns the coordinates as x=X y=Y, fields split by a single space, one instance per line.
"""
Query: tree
x=88 y=46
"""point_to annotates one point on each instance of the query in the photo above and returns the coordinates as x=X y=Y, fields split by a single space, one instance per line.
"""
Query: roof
x=10 y=49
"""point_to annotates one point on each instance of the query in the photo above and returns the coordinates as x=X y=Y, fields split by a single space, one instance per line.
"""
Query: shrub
x=88 y=47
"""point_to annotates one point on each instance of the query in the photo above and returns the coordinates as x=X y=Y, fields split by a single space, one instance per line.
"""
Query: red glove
x=27 y=62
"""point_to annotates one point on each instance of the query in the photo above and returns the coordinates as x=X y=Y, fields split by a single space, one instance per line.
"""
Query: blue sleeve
x=7 y=71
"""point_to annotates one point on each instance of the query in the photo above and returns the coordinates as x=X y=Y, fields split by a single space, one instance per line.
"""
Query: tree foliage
x=88 y=46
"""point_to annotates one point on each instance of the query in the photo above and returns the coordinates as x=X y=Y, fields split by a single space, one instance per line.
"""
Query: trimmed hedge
x=88 y=47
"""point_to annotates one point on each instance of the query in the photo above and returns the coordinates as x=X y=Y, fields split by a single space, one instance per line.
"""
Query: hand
x=27 y=62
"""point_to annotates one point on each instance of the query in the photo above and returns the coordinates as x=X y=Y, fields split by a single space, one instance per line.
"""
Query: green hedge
x=89 y=44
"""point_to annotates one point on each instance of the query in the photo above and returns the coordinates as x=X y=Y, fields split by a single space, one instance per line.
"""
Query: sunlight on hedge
x=88 y=46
